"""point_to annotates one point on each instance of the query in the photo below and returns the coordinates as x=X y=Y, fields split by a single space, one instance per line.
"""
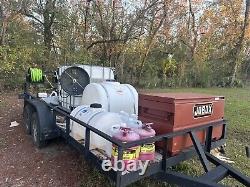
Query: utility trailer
x=40 y=121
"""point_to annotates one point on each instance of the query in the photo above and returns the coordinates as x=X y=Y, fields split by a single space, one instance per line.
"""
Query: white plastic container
x=42 y=95
x=98 y=118
x=52 y=99
x=113 y=96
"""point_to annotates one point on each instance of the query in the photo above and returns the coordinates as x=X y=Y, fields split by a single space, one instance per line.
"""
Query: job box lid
x=178 y=97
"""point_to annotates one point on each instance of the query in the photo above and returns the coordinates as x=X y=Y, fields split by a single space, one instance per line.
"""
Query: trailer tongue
x=177 y=138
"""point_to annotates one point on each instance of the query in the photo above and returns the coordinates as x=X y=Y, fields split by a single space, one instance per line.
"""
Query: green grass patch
x=2 y=103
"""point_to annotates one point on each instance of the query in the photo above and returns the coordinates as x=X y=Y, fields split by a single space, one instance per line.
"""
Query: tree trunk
x=129 y=31
x=239 y=44
x=48 y=16
x=149 y=45
x=3 y=32
x=195 y=34
x=247 y=71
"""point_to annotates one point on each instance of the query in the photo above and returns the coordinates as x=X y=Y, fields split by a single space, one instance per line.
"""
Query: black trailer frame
x=159 y=170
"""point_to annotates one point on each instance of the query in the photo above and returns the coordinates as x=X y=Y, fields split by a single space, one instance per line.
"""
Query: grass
x=2 y=103
x=237 y=112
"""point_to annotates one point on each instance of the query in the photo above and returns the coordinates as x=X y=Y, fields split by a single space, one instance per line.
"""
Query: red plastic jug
x=126 y=135
x=147 y=151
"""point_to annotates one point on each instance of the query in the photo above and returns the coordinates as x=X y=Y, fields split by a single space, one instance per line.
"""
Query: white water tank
x=99 y=119
x=113 y=96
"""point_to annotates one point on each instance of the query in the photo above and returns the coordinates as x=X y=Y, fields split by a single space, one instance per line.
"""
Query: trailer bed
x=160 y=168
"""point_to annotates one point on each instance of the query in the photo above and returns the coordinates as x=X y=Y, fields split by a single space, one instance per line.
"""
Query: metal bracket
x=208 y=143
x=184 y=180
x=200 y=151
x=243 y=179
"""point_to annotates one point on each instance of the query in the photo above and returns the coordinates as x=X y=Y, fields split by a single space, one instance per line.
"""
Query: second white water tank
x=113 y=96
x=97 y=118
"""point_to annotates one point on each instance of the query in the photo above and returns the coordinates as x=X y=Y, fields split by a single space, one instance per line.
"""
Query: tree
x=239 y=44
x=209 y=40
x=43 y=13
x=9 y=10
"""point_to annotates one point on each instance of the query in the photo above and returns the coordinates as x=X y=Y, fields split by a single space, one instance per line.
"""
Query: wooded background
x=151 y=43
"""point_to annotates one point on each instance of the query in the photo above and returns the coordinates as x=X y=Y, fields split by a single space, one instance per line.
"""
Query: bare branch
x=25 y=12
x=108 y=41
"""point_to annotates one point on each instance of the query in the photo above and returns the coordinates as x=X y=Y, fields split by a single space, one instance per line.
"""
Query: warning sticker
x=148 y=148
x=129 y=154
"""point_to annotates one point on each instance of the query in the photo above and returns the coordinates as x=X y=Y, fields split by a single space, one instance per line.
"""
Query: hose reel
x=35 y=75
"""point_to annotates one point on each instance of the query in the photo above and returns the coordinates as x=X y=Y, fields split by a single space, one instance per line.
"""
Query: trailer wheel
x=27 y=114
x=35 y=131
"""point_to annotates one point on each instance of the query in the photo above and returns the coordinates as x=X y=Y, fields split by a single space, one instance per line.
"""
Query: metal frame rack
x=160 y=170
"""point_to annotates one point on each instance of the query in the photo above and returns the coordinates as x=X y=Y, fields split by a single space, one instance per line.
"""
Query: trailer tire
x=35 y=131
x=27 y=114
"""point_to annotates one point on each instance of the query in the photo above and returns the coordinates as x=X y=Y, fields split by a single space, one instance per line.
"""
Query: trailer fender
x=47 y=124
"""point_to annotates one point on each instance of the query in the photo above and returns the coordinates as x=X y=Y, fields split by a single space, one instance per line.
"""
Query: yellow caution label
x=148 y=148
x=129 y=154
x=138 y=151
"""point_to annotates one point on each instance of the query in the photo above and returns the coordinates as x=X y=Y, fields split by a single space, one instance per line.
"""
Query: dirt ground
x=22 y=164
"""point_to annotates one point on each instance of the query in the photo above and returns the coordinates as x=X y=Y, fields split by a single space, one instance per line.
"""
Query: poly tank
x=97 y=118
x=113 y=96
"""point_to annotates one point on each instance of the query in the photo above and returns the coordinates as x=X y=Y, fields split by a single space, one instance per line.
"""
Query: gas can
x=147 y=151
x=125 y=134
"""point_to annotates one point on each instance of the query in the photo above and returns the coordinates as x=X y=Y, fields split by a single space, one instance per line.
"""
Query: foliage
x=208 y=41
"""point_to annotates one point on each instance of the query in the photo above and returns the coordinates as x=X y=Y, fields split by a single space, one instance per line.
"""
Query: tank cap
x=96 y=105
